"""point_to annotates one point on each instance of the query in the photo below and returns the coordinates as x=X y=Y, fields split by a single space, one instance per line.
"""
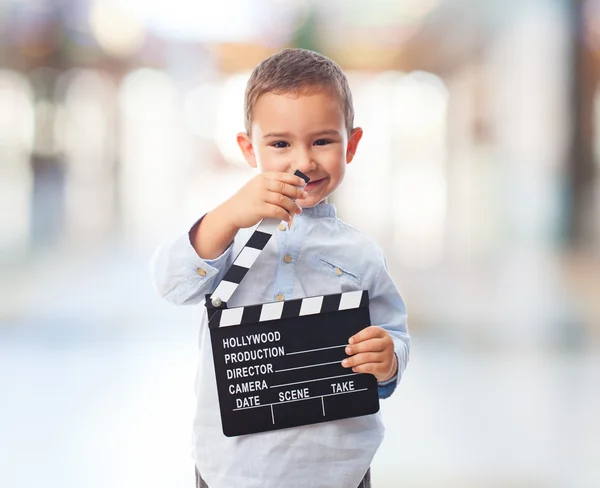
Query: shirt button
x=287 y=258
x=338 y=272
x=279 y=297
x=282 y=227
x=201 y=271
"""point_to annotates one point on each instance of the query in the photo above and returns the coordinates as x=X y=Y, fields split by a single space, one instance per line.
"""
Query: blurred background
x=479 y=176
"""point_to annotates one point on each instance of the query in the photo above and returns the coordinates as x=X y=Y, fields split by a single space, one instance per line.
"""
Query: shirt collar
x=320 y=210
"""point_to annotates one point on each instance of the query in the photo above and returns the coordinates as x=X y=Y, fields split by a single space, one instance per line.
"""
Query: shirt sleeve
x=388 y=311
x=181 y=276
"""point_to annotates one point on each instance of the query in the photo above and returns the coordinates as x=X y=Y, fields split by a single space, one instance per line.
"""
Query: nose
x=305 y=161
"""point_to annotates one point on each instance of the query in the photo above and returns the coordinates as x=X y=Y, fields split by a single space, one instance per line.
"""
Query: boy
x=298 y=116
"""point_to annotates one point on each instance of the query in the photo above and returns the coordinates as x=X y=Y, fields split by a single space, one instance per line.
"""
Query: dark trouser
x=365 y=483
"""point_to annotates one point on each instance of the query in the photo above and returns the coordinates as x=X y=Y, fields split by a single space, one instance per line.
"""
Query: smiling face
x=305 y=132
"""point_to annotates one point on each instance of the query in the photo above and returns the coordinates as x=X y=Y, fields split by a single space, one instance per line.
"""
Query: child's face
x=305 y=132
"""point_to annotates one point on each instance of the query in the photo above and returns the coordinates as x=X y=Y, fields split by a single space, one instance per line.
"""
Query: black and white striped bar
x=287 y=309
x=245 y=259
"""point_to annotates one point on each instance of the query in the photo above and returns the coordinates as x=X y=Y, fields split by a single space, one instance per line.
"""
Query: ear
x=353 y=140
x=245 y=144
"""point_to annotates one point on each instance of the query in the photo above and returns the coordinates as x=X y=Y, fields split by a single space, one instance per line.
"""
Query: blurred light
x=16 y=139
x=228 y=21
x=116 y=29
x=417 y=8
x=420 y=101
x=16 y=111
x=90 y=101
x=200 y=109
x=419 y=219
x=385 y=12
x=374 y=159
x=154 y=152
x=400 y=166
x=147 y=96
x=223 y=21
x=230 y=117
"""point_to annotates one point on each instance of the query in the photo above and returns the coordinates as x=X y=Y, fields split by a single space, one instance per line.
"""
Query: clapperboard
x=278 y=364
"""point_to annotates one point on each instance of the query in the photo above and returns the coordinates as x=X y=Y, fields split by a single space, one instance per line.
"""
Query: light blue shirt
x=327 y=256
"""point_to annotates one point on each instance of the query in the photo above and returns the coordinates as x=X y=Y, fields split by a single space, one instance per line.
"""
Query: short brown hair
x=297 y=71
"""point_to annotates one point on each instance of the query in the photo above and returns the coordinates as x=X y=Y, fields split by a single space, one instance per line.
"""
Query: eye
x=280 y=144
x=323 y=142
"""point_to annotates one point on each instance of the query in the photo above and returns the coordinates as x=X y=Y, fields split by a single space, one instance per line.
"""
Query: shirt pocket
x=339 y=273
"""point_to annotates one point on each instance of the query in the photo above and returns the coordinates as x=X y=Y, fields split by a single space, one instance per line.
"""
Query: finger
x=288 y=178
x=286 y=189
x=276 y=212
x=370 y=345
x=284 y=202
x=370 y=368
x=363 y=358
x=382 y=371
x=367 y=333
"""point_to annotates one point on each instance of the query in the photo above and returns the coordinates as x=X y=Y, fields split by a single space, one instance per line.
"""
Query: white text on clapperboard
x=272 y=350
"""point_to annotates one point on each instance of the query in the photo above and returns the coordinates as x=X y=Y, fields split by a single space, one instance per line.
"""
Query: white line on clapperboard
x=312 y=350
x=299 y=400
x=316 y=379
x=308 y=366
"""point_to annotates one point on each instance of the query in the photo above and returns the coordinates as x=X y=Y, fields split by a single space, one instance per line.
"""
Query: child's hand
x=372 y=351
x=267 y=195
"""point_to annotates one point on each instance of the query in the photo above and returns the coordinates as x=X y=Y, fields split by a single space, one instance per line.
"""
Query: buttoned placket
x=289 y=243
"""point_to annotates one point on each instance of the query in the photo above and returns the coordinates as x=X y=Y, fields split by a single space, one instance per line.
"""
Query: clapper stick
x=278 y=365
x=245 y=259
